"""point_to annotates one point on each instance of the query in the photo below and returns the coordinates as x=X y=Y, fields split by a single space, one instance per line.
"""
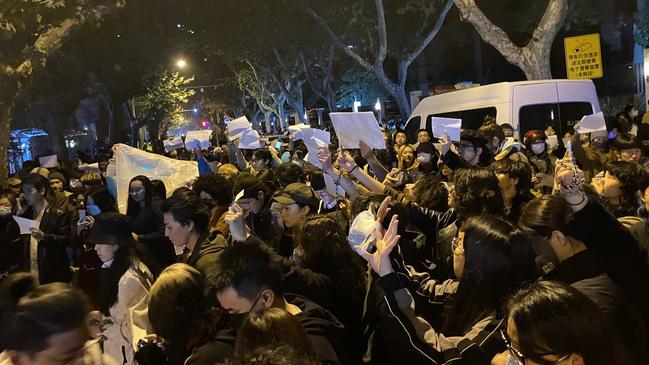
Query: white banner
x=131 y=162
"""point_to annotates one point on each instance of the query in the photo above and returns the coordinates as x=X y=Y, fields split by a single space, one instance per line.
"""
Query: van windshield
x=561 y=117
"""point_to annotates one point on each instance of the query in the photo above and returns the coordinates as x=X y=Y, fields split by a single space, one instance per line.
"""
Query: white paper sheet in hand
x=592 y=123
x=351 y=128
x=198 y=139
x=249 y=140
x=297 y=131
x=25 y=224
x=237 y=127
x=173 y=143
x=48 y=161
x=314 y=139
x=444 y=126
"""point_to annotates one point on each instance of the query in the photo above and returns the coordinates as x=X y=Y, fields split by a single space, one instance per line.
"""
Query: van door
x=534 y=107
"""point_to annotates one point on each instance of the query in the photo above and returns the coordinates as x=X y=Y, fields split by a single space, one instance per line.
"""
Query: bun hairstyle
x=31 y=314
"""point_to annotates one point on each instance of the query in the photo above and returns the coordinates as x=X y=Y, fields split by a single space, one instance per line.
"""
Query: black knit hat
x=111 y=229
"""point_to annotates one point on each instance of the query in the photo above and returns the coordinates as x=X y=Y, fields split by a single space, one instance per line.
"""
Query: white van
x=525 y=105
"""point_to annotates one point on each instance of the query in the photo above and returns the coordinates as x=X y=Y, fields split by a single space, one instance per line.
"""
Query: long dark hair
x=498 y=259
x=126 y=257
x=133 y=208
x=326 y=251
x=557 y=318
x=269 y=327
x=179 y=309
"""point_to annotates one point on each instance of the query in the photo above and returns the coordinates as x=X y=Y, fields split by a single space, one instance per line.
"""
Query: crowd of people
x=488 y=250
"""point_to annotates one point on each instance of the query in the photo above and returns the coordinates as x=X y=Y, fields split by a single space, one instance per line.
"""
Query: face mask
x=635 y=113
x=363 y=231
x=538 y=148
x=93 y=210
x=468 y=155
x=423 y=158
x=5 y=211
x=235 y=320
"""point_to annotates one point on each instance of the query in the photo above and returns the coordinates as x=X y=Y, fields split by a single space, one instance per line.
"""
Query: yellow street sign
x=583 y=57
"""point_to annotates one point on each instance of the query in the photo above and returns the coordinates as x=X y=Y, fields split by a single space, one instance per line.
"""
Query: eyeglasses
x=520 y=359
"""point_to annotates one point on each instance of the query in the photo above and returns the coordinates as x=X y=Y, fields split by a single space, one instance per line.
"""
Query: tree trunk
x=6 y=109
x=534 y=58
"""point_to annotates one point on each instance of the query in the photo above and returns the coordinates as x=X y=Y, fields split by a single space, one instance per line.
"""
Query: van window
x=561 y=117
x=471 y=119
x=413 y=126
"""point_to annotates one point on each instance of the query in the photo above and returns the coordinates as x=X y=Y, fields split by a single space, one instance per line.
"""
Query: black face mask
x=235 y=320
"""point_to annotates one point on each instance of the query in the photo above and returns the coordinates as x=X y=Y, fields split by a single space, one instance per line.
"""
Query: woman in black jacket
x=147 y=222
x=491 y=258
x=10 y=242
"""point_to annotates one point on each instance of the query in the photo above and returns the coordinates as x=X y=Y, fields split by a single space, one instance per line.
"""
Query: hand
x=568 y=176
x=383 y=210
x=94 y=319
x=234 y=218
x=445 y=144
x=345 y=160
x=366 y=151
x=136 y=237
x=37 y=233
x=391 y=178
x=324 y=156
x=155 y=339
x=380 y=259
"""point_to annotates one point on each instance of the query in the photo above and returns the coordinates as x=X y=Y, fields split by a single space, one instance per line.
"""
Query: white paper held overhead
x=314 y=139
x=173 y=143
x=351 y=128
x=296 y=131
x=237 y=127
x=198 y=139
x=48 y=161
x=592 y=123
x=443 y=126
x=249 y=140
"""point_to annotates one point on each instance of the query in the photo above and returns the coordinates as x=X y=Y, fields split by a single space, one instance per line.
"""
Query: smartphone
x=278 y=145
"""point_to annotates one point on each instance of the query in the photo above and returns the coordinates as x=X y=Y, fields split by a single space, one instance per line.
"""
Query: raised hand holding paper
x=351 y=128
x=237 y=127
x=314 y=139
x=592 y=123
x=447 y=126
x=198 y=139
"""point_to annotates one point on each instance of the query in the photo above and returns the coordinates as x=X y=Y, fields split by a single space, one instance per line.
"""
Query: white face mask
x=538 y=148
x=363 y=230
x=5 y=211
x=635 y=113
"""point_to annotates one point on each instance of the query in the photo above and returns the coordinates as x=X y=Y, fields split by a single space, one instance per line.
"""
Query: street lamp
x=181 y=63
